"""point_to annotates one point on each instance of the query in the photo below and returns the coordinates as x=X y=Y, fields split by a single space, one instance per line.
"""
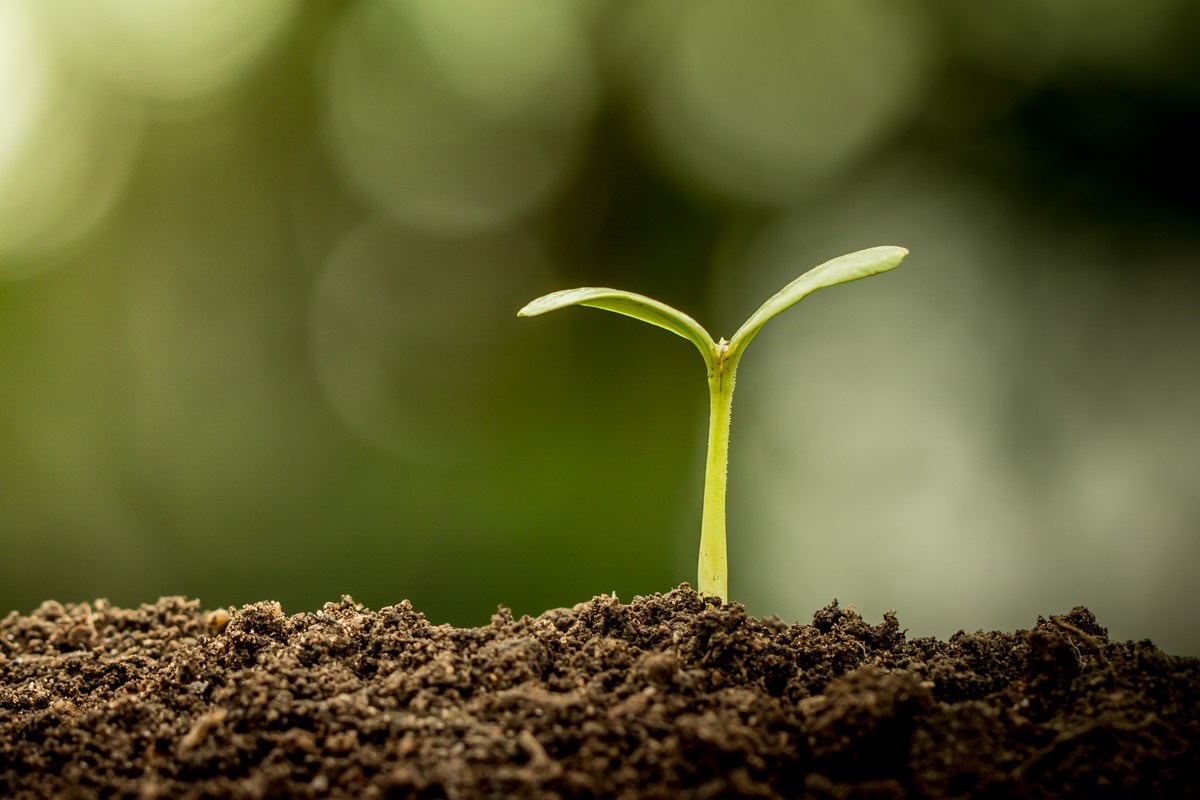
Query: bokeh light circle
x=459 y=115
x=24 y=73
x=66 y=146
x=178 y=51
x=762 y=100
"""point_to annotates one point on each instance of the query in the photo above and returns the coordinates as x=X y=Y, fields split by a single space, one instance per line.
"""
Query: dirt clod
x=665 y=697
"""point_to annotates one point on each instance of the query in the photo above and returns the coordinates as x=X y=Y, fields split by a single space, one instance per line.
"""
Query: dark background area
x=260 y=263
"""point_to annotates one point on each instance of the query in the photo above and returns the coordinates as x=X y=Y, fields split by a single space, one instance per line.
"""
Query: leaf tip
x=889 y=254
x=539 y=305
x=878 y=259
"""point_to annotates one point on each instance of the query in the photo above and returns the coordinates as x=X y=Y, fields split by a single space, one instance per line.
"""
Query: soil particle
x=664 y=697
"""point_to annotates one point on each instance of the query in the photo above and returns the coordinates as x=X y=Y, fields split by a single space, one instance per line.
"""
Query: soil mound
x=665 y=697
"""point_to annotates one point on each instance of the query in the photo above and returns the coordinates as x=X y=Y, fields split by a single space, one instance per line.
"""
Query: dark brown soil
x=664 y=697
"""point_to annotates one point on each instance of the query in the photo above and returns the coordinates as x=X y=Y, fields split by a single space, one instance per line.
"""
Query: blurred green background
x=260 y=263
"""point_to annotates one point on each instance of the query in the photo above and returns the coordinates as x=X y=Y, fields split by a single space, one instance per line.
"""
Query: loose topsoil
x=663 y=697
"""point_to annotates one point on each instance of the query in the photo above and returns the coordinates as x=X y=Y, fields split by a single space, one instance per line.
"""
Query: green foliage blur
x=260 y=263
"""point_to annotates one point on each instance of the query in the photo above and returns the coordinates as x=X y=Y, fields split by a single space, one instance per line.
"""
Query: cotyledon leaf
x=631 y=305
x=842 y=269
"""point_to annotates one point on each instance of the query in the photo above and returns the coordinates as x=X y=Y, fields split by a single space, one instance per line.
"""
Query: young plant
x=721 y=358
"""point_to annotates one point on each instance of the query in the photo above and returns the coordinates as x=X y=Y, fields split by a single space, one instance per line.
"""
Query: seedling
x=721 y=358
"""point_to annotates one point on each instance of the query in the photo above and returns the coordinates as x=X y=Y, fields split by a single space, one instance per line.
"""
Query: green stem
x=713 y=577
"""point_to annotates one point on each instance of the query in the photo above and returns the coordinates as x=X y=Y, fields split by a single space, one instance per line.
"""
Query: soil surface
x=664 y=697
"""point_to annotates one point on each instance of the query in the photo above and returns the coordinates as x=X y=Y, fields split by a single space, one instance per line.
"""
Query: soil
x=664 y=697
